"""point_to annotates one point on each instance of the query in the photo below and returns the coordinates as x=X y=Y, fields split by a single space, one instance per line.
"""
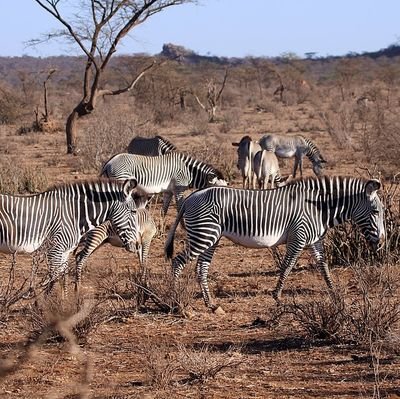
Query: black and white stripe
x=60 y=216
x=105 y=233
x=298 y=214
x=294 y=146
x=170 y=174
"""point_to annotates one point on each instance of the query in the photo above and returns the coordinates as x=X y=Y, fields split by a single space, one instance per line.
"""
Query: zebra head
x=123 y=215
x=316 y=158
x=318 y=165
x=369 y=214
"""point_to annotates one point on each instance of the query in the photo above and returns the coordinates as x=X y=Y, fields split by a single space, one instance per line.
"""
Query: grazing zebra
x=150 y=146
x=246 y=151
x=266 y=165
x=105 y=233
x=297 y=214
x=170 y=174
x=60 y=216
x=294 y=146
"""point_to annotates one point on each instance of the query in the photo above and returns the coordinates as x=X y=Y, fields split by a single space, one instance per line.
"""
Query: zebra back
x=152 y=146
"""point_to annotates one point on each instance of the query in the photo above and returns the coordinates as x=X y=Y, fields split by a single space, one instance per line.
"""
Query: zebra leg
x=203 y=264
x=58 y=260
x=179 y=198
x=292 y=253
x=319 y=253
x=273 y=176
x=301 y=165
x=166 y=202
x=94 y=239
x=296 y=165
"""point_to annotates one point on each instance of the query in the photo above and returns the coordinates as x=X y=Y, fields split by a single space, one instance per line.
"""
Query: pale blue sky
x=234 y=28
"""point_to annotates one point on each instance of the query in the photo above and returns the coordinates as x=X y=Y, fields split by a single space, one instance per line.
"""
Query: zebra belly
x=285 y=152
x=155 y=189
x=267 y=241
x=28 y=247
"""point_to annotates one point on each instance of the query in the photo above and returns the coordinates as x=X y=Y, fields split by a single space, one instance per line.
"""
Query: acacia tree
x=97 y=29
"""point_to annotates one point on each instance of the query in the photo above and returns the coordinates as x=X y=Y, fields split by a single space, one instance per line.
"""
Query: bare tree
x=213 y=96
x=97 y=28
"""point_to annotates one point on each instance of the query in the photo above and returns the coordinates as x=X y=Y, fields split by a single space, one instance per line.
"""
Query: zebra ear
x=372 y=186
x=129 y=186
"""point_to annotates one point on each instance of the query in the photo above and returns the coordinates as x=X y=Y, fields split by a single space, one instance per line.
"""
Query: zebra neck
x=339 y=210
x=198 y=170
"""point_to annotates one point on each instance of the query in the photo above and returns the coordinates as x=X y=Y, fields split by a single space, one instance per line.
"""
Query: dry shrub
x=158 y=363
x=163 y=292
x=375 y=312
x=367 y=312
x=197 y=123
x=164 y=362
x=13 y=289
x=322 y=317
x=63 y=324
x=47 y=312
x=219 y=156
x=16 y=179
x=11 y=106
x=204 y=363
x=104 y=138
x=340 y=124
x=230 y=121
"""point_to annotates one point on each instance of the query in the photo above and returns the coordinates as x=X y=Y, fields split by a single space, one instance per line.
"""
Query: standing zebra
x=170 y=174
x=265 y=166
x=150 y=146
x=298 y=214
x=61 y=215
x=294 y=146
x=105 y=233
x=246 y=151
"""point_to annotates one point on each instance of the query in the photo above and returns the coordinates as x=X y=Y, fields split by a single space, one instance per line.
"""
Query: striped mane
x=325 y=183
x=201 y=164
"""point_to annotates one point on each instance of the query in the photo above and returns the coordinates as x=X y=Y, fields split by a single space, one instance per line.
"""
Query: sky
x=231 y=28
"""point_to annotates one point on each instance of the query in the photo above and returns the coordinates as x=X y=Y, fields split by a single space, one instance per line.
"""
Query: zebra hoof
x=219 y=311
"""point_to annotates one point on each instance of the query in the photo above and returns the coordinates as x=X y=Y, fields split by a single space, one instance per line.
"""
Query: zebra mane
x=325 y=183
x=313 y=153
x=201 y=164
x=167 y=143
x=98 y=184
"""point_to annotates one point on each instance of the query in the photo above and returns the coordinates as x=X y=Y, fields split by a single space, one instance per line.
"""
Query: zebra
x=298 y=214
x=294 y=146
x=150 y=146
x=247 y=148
x=170 y=174
x=106 y=233
x=266 y=165
x=60 y=216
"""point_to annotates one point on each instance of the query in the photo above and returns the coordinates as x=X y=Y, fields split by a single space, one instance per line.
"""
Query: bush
x=17 y=179
x=10 y=106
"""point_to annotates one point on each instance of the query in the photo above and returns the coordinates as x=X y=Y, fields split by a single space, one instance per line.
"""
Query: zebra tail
x=169 y=244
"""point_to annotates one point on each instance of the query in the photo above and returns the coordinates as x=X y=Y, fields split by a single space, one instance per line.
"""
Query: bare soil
x=140 y=353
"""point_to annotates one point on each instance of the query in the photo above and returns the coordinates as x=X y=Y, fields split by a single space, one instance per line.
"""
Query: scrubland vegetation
x=128 y=336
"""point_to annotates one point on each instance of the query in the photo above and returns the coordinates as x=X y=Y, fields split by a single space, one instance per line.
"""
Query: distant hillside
x=390 y=52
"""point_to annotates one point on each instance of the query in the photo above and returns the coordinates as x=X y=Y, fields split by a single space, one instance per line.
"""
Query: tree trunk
x=79 y=111
x=70 y=131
